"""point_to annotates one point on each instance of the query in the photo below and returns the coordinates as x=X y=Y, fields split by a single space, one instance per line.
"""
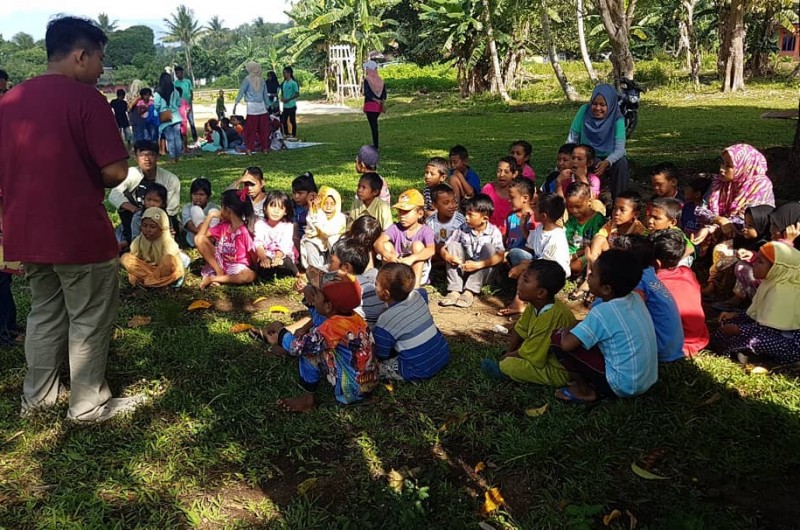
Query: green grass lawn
x=211 y=450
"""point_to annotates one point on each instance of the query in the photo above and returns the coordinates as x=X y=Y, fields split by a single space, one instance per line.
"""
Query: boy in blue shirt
x=659 y=301
x=463 y=179
x=304 y=190
x=613 y=351
x=408 y=344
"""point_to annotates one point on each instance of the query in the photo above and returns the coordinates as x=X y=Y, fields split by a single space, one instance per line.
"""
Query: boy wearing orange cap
x=409 y=240
x=339 y=349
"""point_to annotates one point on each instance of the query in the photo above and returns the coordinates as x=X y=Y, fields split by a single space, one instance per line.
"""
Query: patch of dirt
x=233 y=501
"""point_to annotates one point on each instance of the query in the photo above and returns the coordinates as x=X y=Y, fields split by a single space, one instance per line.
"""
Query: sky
x=31 y=16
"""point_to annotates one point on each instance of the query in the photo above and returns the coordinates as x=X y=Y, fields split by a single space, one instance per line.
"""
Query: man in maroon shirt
x=59 y=149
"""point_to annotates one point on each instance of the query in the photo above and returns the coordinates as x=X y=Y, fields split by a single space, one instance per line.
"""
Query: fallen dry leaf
x=480 y=466
x=240 y=328
x=492 y=501
x=538 y=411
x=759 y=370
x=14 y=436
x=647 y=475
x=610 y=518
x=138 y=321
x=653 y=457
x=396 y=480
x=712 y=399
x=389 y=387
x=306 y=485
x=259 y=299
x=280 y=309
x=199 y=304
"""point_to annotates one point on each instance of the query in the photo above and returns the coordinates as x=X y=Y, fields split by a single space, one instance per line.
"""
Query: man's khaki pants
x=73 y=308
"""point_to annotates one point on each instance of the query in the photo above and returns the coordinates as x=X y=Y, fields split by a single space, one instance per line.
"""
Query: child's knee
x=417 y=246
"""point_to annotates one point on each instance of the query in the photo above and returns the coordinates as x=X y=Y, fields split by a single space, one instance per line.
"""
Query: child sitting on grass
x=274 y=238
x=563 y=161
x=660 y=303
x=325 y=223
x=581 y=226
x=546 y=241
x=664 y=214
x=527 y=358
x=304 y=191
x=368 y=201
x=154 y=259
x=770 y=329
x=229 y=260
x=522 y=196
x=338 y=350
x=521 y=151
x=669 y=247
x=408 y=344
x=694 y=193
x=613 y=352
x=463 y=179
x=435 y=175
x=471 y=253
x=664 y=179
x=579 y=170
x=446 y=219
x=352 y=256
x=153 y=195
x=409 y=241
x=195 y=212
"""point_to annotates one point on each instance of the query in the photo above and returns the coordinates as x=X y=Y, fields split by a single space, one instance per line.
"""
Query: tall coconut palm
x=184 y=28
x=106 y=24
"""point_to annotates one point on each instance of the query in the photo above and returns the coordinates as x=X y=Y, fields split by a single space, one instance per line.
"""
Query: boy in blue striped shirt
x=408 y=344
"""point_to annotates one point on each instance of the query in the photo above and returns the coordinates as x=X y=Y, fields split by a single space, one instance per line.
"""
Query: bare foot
x=206 y=281
x=303 y=403
x=514 y=308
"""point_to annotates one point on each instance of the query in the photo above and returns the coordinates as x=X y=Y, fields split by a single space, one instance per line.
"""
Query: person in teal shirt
x=187 y=88
x=169 y=129
x=290 y=91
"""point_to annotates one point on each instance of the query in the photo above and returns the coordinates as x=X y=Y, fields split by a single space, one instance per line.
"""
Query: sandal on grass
x=449 y=300
x=465 y=300
x=569 y=397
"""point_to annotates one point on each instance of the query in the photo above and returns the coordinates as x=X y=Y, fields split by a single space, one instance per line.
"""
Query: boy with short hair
x=522 y=196
x=368 y=201
x=613 y=351
x=463 y=179
x=694 y=194
x=408 y=344
x=367 y=162
x=339 y=349
x=563 y=161
x=669 y=248
x=409 y=241
x=304 y=190
x=527 y=358
x=435 y=174
x=446 y=219
x=349 y=256
x=471 y=253
x=660 y=303
x=664 y=214
x=120 y=108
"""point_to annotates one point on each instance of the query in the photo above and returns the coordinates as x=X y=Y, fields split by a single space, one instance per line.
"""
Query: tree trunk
x=513 y=62
x=187 y=53
x=587 y=61
x=796 y=143
x=497 y=75
x=693 y=58
x=617 y=20
x=734 y=58
x=569 y=90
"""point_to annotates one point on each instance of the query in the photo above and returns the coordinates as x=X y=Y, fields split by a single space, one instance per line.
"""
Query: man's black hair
x=145 y=145
x=66 y=34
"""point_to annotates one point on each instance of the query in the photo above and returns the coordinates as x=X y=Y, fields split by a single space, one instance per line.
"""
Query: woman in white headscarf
x=374 y=97
x=254 y=91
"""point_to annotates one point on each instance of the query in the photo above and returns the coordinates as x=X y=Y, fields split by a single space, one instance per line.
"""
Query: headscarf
x=599 y=133
x=775 y=303
x=785 y=215
x=133 y=91
x=761 y=222
x=750 y=185
x=254 y=75
x=334 y=225
x=154 y=251
x=373 y=79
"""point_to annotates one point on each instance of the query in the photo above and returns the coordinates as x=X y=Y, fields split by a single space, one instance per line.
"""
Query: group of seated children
x=365 y=271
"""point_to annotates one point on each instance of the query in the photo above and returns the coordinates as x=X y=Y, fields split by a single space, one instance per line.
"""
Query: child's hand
x=744 y=254
x=214 y=214
x=517 y=270
x=700 y=236
x=265 y=262
x=408 y=260
x=564 y=176
x=471 y=266
x=727 y=315
x=601 y=168
x=792 y=231
x=452 y=260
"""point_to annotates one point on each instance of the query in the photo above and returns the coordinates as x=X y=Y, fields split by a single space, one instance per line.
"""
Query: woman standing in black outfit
x=374 y=97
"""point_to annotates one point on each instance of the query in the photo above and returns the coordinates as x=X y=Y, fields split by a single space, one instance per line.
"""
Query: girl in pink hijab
x=742 y=182
x=374 y=97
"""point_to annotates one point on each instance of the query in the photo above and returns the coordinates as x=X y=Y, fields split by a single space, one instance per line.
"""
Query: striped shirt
x=407 y=329
x=371 y=306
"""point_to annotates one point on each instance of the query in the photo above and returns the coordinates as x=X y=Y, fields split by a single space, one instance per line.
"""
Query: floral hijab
x=750 y=185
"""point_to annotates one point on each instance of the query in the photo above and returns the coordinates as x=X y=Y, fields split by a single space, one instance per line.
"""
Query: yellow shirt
x=379 y=209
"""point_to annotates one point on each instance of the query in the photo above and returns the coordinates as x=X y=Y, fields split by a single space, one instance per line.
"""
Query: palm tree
x=23 y=41
x=106 y=24
x=184 y=28
x=216 y=24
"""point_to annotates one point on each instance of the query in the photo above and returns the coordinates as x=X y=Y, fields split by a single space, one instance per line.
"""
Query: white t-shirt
x=442 y=231
x=550 y=244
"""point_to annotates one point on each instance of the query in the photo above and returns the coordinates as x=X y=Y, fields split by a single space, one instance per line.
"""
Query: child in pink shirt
x=521 y=151
x=582 y=161
x=498 y=192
